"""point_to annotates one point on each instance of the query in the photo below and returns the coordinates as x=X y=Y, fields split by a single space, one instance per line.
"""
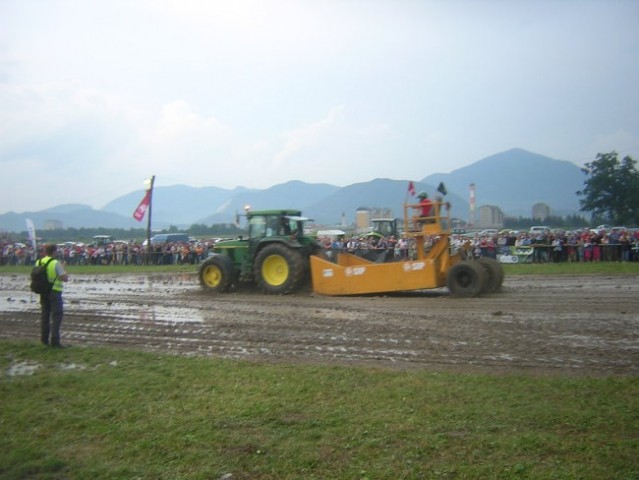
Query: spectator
x=51 y=304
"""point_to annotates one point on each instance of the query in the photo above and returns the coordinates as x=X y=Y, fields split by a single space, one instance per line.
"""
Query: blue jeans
x=51 y=318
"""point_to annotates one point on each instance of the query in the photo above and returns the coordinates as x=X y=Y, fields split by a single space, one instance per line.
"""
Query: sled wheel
x=278 y=269
x=216 y=273
x=494 y=275
x=466 y=279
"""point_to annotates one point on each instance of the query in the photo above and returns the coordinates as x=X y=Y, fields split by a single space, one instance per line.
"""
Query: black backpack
x=40 y=280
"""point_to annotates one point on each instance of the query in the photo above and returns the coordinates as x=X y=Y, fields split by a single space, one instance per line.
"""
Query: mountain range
x=513 y=180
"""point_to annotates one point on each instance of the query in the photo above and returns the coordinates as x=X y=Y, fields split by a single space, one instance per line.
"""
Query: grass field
x=99 y=413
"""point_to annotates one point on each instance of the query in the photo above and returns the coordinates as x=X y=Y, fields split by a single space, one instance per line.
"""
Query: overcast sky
x=97 y=96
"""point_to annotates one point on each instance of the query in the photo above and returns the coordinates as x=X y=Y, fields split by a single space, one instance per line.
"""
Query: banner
x=143 y=207
x=411 y=189
x=442 y=188
x=32 y=234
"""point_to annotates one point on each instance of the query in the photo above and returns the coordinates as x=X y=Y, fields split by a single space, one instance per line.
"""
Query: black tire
x=494 y=274
x=216 y=273
x=278 y=269
x=466 y=279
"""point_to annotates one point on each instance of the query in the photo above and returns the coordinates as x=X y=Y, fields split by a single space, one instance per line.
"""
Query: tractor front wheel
x=216 y=273
x=466 y=279
x=278 y=269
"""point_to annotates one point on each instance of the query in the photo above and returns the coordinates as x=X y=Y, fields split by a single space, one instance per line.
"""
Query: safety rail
x=415 y=225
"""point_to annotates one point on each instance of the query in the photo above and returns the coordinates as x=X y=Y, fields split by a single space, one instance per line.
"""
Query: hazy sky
x=96 y=96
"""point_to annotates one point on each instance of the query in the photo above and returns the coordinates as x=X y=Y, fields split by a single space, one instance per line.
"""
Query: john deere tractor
x=275 y=256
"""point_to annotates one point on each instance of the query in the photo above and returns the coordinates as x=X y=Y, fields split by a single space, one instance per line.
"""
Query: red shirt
x=426 y=206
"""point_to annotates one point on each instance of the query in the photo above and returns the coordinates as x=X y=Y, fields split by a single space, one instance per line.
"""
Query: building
x=362 y=219
x=364 y=215
x=490 y=216
x=53 y=225
x=540 y=211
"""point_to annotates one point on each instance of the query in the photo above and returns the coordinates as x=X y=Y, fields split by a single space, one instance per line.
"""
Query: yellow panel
x=352 y=275
x=356 y=276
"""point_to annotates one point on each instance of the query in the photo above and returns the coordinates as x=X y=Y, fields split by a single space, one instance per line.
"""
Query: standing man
x=425 y=204
x=51 y=303
x=424 y=208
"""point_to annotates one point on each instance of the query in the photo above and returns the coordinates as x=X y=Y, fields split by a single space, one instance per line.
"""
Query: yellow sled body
x=353 y=275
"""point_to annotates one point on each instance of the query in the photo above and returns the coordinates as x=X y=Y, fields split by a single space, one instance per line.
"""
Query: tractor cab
x=280 y=223
x=384 y=227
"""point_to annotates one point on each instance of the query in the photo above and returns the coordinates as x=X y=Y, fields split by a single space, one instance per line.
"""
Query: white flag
x=32 y=234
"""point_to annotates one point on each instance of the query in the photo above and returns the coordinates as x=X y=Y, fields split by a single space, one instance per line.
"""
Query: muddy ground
x=571 y=325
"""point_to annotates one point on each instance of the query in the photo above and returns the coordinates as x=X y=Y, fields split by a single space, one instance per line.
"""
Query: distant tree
x=198 y=229
x=611 y=190
x=567 y=222
x=576 y=221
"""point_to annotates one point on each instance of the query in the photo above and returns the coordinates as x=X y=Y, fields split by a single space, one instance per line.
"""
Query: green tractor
x=275 y=256
x=385 y=227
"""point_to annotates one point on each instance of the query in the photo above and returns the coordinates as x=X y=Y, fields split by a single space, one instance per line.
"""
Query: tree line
x=611 y=189
x=138 y=235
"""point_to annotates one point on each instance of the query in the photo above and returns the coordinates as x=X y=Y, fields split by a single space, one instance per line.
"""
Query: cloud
x=307 y=138
x=58 y=126
x=255 y=93
x=335 y=149
x=620 y=141
x=179 y=139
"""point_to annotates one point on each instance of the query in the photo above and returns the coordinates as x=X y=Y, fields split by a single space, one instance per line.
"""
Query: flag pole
x=149 y=249
x=34 y=244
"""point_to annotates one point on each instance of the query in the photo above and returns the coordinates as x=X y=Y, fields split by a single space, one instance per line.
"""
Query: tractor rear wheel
x=466 y=279
x=216 y=273
x=494 y=274
x=278 y=269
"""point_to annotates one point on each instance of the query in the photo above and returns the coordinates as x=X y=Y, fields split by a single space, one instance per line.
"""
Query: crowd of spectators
x=369 y=245
x=585 y=245
x=114 y=253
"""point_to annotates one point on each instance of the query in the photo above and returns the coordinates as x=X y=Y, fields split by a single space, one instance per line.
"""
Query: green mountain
x=513 y=180
x=378 y=193
x=178 y=204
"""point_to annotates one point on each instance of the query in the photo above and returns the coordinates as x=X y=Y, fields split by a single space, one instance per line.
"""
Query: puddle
x=123 y=298
x=22 y=368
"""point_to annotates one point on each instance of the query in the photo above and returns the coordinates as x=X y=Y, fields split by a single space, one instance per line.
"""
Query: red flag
x=411 y=188
x=142 y=208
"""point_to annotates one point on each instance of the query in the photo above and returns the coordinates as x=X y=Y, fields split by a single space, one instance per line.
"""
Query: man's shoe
x=59 y=345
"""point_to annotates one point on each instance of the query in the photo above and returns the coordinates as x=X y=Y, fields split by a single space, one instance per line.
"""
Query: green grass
x=99 y=413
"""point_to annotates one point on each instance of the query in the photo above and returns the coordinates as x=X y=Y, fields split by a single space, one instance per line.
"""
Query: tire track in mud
x=567 y=324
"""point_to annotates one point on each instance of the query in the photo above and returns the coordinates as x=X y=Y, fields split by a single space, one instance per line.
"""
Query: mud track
x=555 y=325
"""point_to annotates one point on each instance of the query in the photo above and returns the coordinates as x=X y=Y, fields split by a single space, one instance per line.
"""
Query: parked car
x=169 y=237
x=539 y=229
x=601 y=228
